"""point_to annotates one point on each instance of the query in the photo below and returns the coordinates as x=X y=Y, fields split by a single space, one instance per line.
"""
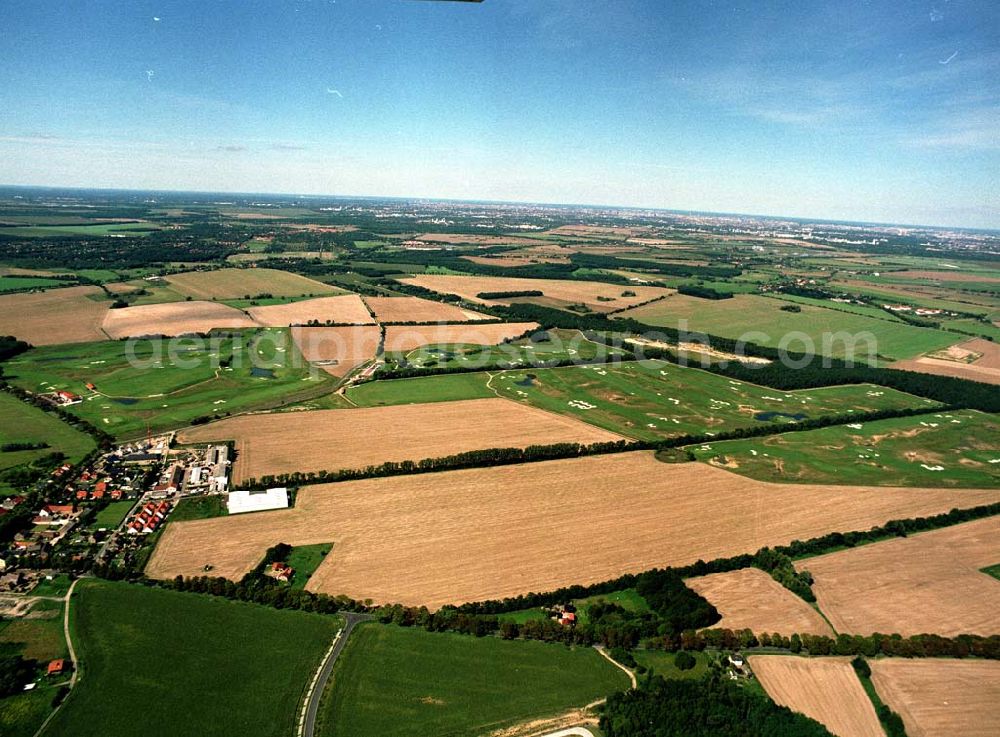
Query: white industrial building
x=257 y=501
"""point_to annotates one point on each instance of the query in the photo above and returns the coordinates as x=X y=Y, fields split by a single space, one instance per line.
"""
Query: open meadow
x=173 y=318
x=399 y=682
x=761 y=320
x=596 y=296
x=150 y=384
x=246 y=283
x=149 y=656
x=950 y=449
x=749 y=598
x=651 y=400
x=420 y=390
x=941 y=698
x=929 y=582
x=65 y=315
x=532 y=527
x=825 y=689
x=331 y=440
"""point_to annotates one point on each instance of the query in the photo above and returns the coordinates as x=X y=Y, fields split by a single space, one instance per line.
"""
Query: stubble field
x=337 y=350
x=929 y=582
x=66 y=315
x=475 y=534
x=239 y=283
x=404 y=338
x=345 y=309
x=173 y=318
x=415 y=309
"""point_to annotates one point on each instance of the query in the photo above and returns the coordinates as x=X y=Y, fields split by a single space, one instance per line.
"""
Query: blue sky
x=886 y=110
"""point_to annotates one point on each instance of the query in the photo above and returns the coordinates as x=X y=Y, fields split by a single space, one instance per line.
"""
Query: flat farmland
x=941 y=698
x=650 y=399
x=329 y=440
x=415 y=309
x=173 y=318
x=419 y=390
x=20 y=422
x=824 y=689
x=985 y=368
x=597 y=296
x=950 y=449
x=337 y=350
x=240 y=283
x=344 y=309
x=405 y=338
x=532 y=527
x=150 y=384
x=67 y=315
x=930 y=582
x=750 y=599
x=760 y=320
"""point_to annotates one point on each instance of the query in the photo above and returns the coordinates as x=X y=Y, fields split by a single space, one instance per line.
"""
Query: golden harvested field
x=479 y=240
x=173 y=318
x=518 y=259
x=825 y=689
x=329 y=440
x=337 y=350
x=929 y=582
x=554 y=290
x=951 y=276
x=346 y=309
x=65 y=315
x=750 y=599
x=415 y=309
x=985 y=369
x=406 y=338
x=941 y=698
x=241 y=283
x=486 y=533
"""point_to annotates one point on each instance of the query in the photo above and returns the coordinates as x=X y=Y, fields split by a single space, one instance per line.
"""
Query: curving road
x=307 y=722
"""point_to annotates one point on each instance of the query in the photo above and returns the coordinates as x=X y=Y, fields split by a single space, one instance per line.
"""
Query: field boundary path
x=72 y=656
x=310 y=709
x=631 y=675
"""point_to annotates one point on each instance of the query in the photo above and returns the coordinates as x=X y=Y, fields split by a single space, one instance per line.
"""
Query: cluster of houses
x=281 y=571
x=62 y=398
x=149 y=518
x=564 y=615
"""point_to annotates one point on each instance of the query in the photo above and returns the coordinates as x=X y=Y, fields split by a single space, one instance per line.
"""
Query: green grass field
x=112 y=515
x=21 y=715
x=662 y=663
x=628 y=599
x=49 y=231
x=760 y=320
x=957 y=449
x=165 y=387
x=16 y=283
x=305 y=559
x=445 y=388
x=163 y=663
x=393 y=681
x=650 y=400
x=198 y=507
x=58 y=586
x=39 y=636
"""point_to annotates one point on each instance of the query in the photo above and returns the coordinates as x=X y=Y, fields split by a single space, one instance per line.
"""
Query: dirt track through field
x=825 y=689
x=750 y=599
x=329 y=440
x=929 y=582
x=66 y=315
x=941 y=698
x=485 y=533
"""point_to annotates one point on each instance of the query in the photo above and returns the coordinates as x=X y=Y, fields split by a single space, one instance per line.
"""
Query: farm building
x=257 y=501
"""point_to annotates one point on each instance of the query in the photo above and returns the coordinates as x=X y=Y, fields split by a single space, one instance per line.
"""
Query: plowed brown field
x=941 y=698
x=337 y=350
x=66 y=315
x=407 y=337
x=484 y=533
x=927 y=583
x=346 y=309
x=415 y=309
x=329 y=440
x=751 y=599
x=173 y=318
x=825 y=689
x=558 y=290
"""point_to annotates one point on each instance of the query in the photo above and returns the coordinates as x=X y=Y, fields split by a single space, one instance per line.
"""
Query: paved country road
x=307 y=724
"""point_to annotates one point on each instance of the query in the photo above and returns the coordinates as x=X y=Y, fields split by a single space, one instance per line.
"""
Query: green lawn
x=393 y=681
x=662 y=663
x=651 y=400
x=445 y=388
x=112 y=515
x=15 y=283
x=760 y=320
x=305 y=559
x=162 y=386
x=21 y=715
x=58 y=586
x=199 y=507
x=163 y=663
x=956 y=449
x=39 y=636
x=628 y=599
x=993 y=570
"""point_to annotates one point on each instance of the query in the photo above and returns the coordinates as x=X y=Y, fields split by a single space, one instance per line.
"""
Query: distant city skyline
x=850 y=111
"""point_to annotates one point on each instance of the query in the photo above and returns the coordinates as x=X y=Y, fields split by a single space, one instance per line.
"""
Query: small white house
x=257 y=501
